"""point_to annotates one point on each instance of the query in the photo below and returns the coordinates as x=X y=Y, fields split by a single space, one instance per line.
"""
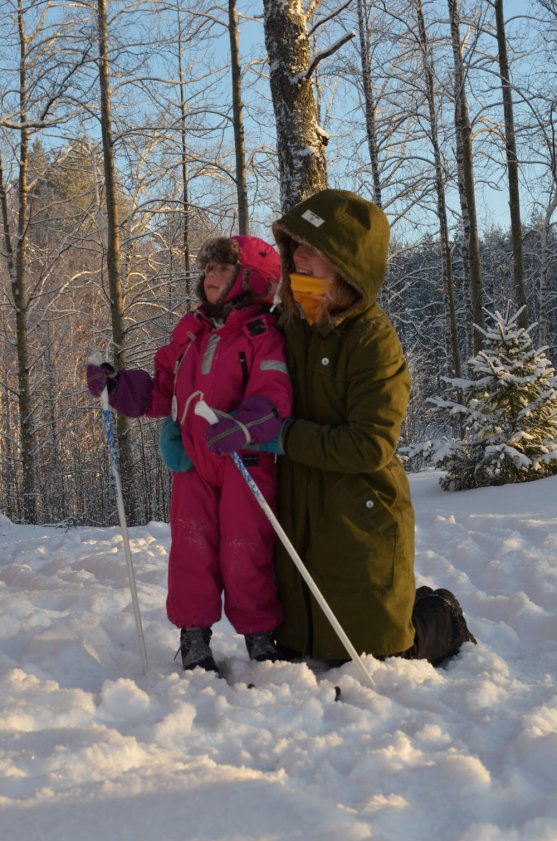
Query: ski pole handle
x=104 y=399
x=205 y=411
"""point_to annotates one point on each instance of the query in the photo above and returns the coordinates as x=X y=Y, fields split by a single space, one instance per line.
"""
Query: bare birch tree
x=542 y=141
x=180 y=45
x=440 y=187
x=512 y=166
x=465 y=166
x=238 y=120
x=364 y=29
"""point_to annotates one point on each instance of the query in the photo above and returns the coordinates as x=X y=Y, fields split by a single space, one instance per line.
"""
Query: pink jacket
x=225 y=365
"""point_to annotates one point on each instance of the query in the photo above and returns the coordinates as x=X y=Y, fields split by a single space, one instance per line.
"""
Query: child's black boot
x=261 y=647
x=195 y=649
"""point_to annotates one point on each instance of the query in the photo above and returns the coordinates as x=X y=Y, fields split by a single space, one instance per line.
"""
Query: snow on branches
x=507 y=409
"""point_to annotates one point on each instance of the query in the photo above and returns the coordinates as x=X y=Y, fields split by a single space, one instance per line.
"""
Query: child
x=344 y=497
x=230 y=352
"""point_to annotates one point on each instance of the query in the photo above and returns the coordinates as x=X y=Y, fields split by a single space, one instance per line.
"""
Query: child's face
x=310 y=262
x=216 y=280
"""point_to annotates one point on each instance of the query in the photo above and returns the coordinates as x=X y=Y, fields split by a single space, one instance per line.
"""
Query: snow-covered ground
x=91 y=749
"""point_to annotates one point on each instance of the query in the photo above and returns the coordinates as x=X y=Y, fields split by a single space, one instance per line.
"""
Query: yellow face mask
x=309 y=292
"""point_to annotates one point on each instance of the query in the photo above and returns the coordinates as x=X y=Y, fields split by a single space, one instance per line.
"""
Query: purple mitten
x=227 y=435
x=100 y=377
x=255 y=421
x=132 y=393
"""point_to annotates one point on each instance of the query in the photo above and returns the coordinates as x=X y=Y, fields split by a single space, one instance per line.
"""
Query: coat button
x=369 y=503
x=325 y=360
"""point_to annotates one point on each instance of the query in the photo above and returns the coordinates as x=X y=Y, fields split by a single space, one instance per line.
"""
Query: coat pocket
x=356 y=542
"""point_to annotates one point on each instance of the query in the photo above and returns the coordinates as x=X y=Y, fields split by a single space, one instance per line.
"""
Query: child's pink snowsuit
x=221 y=539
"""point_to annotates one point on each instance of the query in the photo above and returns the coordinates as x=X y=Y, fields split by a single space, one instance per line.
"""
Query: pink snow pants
x=222 y=542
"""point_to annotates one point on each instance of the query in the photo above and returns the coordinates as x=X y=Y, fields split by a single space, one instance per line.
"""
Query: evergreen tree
x=508 y=412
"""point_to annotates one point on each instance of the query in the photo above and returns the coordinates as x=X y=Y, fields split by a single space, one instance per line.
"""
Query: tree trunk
x=512 y=166
x=369 y=100
x=466 y=179
x=238 y=120
x=57 y=499
x=17 y=265
x=9 y=474
x=183 y=149
x=448 y=282
x=301 y=154
x=113 y=251
x=545 y=262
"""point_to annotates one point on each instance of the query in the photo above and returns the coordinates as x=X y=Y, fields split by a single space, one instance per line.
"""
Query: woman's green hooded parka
x=344 y=498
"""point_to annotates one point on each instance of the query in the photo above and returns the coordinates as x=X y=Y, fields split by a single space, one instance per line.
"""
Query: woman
x=344 y=497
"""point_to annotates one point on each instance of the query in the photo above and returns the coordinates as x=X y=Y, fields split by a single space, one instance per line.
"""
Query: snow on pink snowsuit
x=221 y=541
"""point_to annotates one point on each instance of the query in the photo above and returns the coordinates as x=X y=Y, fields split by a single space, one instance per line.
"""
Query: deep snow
x=91 y=749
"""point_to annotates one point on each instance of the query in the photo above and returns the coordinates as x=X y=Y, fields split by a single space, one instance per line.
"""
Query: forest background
x=131 y=131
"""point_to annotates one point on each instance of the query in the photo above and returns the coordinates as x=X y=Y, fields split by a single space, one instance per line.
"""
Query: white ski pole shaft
x=202 y=409
x=124 y=527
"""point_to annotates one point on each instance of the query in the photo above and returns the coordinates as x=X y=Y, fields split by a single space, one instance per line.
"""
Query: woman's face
x=310 y=262
x=217 y=279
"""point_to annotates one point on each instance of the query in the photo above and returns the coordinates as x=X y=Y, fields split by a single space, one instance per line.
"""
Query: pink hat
x=258 y=265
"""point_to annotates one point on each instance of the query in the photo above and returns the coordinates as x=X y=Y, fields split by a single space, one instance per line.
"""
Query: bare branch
x=326 y=19
x=326 y=53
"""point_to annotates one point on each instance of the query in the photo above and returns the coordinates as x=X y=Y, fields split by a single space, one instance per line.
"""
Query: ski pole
x=123 y=526
x=205 y=411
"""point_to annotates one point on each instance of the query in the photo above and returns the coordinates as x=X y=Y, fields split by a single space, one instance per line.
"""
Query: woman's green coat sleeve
x=378 y=385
